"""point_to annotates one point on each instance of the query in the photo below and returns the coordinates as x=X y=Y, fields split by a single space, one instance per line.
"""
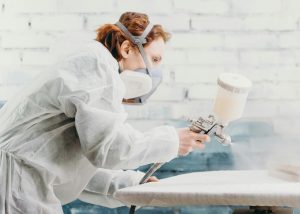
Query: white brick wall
x=30 y=6
x=54 y=23
x=13 y=22
x=212 y=57
x=267 y=57
x=21 y=40
x=95 y=21
x=259 y=39
x=256 y=6
x=173 y=22
x=197 y=40
x=204 y=7
x=289 y=39
x=9 y=58
x=86 y=6
x=153 y=7
x=217 y=23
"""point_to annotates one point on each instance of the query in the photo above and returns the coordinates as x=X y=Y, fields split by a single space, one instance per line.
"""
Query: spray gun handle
x=210 y=127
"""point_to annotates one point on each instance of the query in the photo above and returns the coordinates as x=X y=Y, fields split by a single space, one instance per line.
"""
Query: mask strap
x=138 y=41
x=142 y=51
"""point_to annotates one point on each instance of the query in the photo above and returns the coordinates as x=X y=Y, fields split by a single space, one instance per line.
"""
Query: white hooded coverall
x=59 y=131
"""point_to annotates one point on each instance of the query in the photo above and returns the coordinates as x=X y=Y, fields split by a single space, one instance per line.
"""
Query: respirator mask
x=141 y=83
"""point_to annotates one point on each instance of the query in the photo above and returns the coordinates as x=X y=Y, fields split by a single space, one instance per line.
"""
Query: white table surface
x=246 y=188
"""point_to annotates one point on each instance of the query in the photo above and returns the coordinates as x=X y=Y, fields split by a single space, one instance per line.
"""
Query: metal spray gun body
x=210 y=127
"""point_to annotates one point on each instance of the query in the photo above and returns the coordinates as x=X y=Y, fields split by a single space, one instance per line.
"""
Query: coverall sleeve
x=109 y=142
x=105 y=183
x=106 y=139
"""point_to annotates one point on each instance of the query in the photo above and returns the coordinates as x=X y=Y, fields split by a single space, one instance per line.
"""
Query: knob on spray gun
x=229 y=105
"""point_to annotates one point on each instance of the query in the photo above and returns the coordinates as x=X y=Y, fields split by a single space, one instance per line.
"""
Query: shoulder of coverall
x=87 y=48
x=99 y=48
x=72 y=67
x=81 y=55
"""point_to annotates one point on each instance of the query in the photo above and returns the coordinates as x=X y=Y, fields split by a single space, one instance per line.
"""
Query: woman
x=67 y=130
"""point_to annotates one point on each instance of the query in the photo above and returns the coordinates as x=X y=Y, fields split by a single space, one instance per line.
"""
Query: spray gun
x=229 y=105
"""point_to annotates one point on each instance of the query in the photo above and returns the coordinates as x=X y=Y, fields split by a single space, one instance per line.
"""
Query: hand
x=189 y=140
x=152 y=179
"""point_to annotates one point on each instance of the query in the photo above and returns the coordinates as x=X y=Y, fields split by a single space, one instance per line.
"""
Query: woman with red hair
x=67 y=131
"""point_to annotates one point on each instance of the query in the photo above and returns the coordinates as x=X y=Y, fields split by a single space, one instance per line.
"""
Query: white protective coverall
x=58 y=132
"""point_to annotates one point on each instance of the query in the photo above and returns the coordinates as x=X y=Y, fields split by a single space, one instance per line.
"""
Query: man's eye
x=155 y=59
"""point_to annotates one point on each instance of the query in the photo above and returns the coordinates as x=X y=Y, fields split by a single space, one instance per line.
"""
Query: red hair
x=112 y=37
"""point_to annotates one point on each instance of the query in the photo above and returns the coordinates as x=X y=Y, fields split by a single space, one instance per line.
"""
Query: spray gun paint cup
x=231 y=97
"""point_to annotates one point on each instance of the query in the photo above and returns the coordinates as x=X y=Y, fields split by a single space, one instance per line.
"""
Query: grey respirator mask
x=141 y=83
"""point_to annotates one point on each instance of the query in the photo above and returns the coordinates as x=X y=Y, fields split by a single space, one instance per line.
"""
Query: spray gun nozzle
x=225 y=140
x=221 y=137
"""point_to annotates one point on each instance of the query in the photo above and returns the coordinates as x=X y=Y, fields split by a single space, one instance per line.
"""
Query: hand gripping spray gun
x=228 y=106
